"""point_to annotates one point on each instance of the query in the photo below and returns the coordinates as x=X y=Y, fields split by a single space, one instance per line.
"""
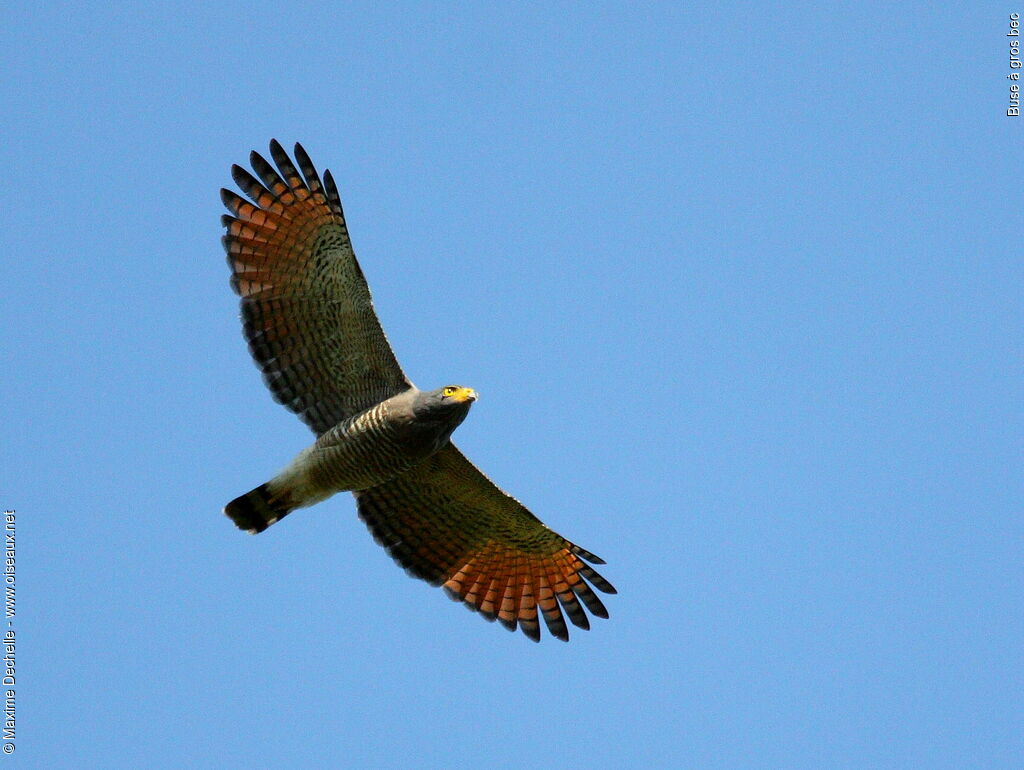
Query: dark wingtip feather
x=599 y=582
x=250 y=185
x=308 y=169
x=452 y=594
x=594 y=604
x=555 y=622
x=271 y=178
x=597 y=609
x=332 y=194
x=240 y=175
x=575 y=612
x=286 y=167
x=585 y=554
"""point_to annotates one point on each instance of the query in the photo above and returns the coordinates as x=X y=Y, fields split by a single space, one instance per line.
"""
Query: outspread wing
x=306 y=309
x=447 y=523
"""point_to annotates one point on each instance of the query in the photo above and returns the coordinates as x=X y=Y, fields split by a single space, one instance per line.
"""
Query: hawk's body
x=360 y=452
x=311 y=327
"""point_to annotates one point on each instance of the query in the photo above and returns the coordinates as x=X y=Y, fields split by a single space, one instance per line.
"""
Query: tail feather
x=258 y=509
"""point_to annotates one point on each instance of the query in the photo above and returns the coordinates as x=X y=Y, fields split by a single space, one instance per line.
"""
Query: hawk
x=309 y=320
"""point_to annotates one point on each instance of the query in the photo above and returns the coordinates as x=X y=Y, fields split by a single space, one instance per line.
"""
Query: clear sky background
x=739 y=285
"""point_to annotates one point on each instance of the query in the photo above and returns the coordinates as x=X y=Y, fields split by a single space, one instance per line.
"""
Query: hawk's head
x=443 y=409
x=455 y=394
x=447 y=404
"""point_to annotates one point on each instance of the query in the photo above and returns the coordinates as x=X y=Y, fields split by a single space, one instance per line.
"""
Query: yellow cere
x=456 y=393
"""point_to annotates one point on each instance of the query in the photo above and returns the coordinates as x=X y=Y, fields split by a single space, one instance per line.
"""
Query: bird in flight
x=309 y=320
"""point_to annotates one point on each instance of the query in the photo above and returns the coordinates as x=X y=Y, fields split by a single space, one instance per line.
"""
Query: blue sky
x=740 y=286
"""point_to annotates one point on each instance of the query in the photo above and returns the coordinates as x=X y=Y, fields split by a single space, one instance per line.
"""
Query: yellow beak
x=463 y=394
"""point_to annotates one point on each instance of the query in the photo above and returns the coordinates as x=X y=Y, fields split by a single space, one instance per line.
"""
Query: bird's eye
x=450 y=390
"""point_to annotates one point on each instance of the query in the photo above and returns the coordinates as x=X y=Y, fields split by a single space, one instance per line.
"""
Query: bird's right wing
x=306 y=309
x=447 y=523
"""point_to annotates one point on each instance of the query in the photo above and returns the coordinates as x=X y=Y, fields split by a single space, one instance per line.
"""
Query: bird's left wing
x=447 y=523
